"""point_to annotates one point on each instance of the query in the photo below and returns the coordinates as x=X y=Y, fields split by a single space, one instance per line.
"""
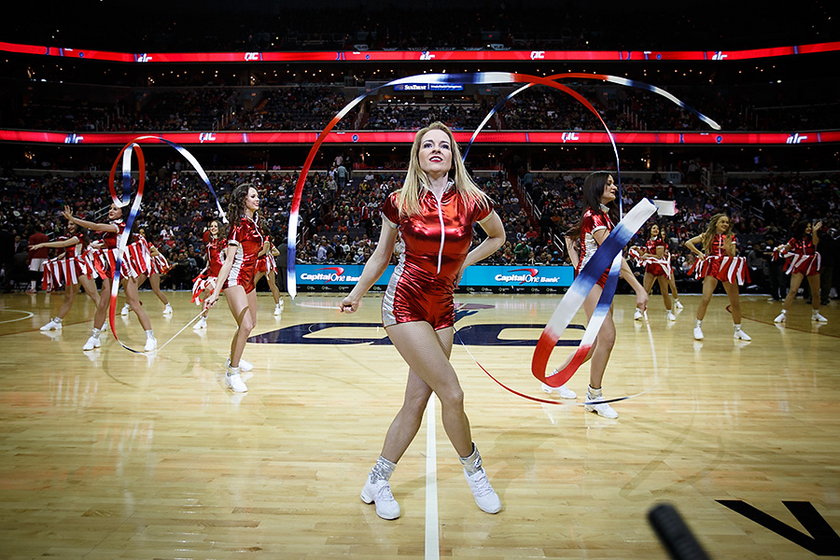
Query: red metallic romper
x=437 y=241
x=213 y=251
x=592 y=221
x=248 y=240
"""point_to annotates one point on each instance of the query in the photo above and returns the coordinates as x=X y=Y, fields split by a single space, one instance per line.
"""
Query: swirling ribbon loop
x=124 y=156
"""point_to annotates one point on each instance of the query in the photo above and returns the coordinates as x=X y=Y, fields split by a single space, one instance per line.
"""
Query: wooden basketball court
x=109 y=454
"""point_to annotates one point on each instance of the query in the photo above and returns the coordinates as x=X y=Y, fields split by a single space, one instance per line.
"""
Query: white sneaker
x=780 y=318
x=670 y=316
x=125 y=309
x=602 y=409
x=561 y=391
x=698 y=333
x=814 y=317
x=234 y=383
x=243 y=365
x=278 y=309
x=638 y=315
x=741 y=335
x=379 y=493
x=485 y=497
x=151 y=344
x=92 y=342
x=53 y=325
x=677 y=304
x=167 y=310
x=200 y=324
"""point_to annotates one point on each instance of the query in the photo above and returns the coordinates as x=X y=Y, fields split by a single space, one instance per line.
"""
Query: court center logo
x=482 y=334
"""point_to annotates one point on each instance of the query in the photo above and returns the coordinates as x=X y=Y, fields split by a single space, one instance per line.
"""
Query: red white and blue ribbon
x=125 y=156
x=607 y=255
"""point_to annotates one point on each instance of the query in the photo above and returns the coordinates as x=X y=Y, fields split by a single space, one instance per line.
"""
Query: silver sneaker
x=379 y=493
x=485 y=497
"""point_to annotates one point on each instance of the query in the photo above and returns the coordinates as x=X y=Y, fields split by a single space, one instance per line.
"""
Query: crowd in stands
x=339 y=219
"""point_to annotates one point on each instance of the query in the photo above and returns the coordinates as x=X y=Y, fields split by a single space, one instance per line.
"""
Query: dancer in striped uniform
x=70 y=269
x=158 y=266
x=718 y=262
x=802 y=260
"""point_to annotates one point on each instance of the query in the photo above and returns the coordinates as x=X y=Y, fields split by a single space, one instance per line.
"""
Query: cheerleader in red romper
x=435 y=216
x=657 y=268
x=236 y=277
x=214 y=247
x=158 y=266
x=135 y=262
x=267 y=266
x=718 y=262
x=599 y=190
x=802 y=260
x=69 y=269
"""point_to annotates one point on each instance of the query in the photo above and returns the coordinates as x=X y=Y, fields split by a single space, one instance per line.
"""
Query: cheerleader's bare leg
x=272 y=285
x=132 y=296
x=69 y=295
x=90 y=288
x=709 y=285
x=604 y=342
x=243 y=307
x=154 y=282
x=663 y=287
x=734 y=301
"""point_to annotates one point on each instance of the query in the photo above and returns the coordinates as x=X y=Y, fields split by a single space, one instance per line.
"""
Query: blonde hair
x=711 y=231
x=408 y=197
